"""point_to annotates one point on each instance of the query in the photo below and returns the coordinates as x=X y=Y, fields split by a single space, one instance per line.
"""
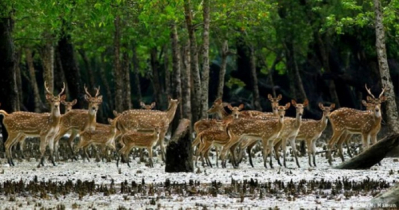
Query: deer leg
x=332 y=142
x=271 y=154
x=42 y=150
x=276 y=152
x=161 y=142
x=284 y=149
x=314 y=152
x=12 y=137
x=293 y=146
x=309 y=145
x=232 y=151
x=150 y=157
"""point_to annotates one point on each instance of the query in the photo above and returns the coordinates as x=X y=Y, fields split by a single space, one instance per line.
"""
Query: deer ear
x=153 y=105
x=241 y=106
x=270 y=97
x=306 y=102
x=364 y=103
x=332 y=106
x=287 y=105
x=293 y=102
x=224 y=104
x=142 y=104
x=219 y=100
x=63 y=97
x=383 y=99
x=321 y=106
x=87 y=98
x=74 y=102
x=48 y=96
x=230 y=107
x=100 y=98
x=369 y=98
x=279 y=97
x=116 y=114
x=110 y=120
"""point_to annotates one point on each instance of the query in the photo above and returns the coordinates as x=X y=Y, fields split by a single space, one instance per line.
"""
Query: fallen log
x=372 y=155
x=179 y=152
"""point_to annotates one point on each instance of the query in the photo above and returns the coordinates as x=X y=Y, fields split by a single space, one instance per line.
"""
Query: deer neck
x=91 y=123
x=55 y=116
x=298 y=120
x=324 y=122
x=171 y=112
x=222 y=113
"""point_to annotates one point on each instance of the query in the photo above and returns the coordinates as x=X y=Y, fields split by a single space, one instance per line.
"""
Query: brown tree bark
x=195 y=74
x=18 y=56
x=89 y=69
x=47 y=57
x=136 y=74
x=71 y=69
x=224 y=53
x=155 y=77
x=186 y=83
x=205 y=60
x=179 y=152
x=372 y=155
x=386 y=81
x=117 y=67
x=176 y=75
x=8 y=87
x=166 y=67
x=104 y=80
x=254 y=77
x=127 y=95
x=36 y=94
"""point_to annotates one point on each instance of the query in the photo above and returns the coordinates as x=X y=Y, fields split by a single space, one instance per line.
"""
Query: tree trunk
x=176 y=75
x=166 y=67
x=8 y=87
x=195 y=74
x=155 y=77
x=222 y=72
x=117 y=67
x=372 y=155
x=391 y=108
x=89 y=69
x=205 y=61
x=36 y=94
x=254 y=77
x=127 y=95
x=18 y=56
x=47 y=56
x=136 y=73
x=326 y=66
x=186 y=83
x=104 y=80
x=71 y=69
x=179 y=152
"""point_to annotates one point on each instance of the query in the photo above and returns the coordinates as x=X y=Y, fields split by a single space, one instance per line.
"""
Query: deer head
x=148 y=107
x=299 y=107
x=69 y=105
x=326 y=110
x=235 y=111
x=55 y=100
x=94 y=101
x=372 y=99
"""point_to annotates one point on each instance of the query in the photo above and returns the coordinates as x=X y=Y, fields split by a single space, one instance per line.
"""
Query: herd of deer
x=145 y=128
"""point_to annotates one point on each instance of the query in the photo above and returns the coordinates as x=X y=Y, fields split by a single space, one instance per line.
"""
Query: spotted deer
x=103 y=136
x=266 y=129
x=78 y=120
x=290 y=131
x=370 y=105
x=69 y=105
x=352 y=121
x=138 y=139
x=145 y=106
x=311 y=130
x=137 y=119
x=21 y=125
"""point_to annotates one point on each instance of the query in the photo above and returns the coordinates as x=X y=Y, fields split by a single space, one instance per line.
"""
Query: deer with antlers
x=137 y=139
x=78 y=120
x=266 y=128
x=311 y=130
x=353 y=121
x=147 y=120
x=21 y=125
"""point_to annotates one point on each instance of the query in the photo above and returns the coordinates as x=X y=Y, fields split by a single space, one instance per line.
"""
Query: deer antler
x=383 y=90
x=98 y=91
x=63 y=89
x=46 y=88
x=368 y=91
x=87 y=92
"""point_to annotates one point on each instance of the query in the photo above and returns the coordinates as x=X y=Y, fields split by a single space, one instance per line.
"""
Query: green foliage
x=234 y=82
